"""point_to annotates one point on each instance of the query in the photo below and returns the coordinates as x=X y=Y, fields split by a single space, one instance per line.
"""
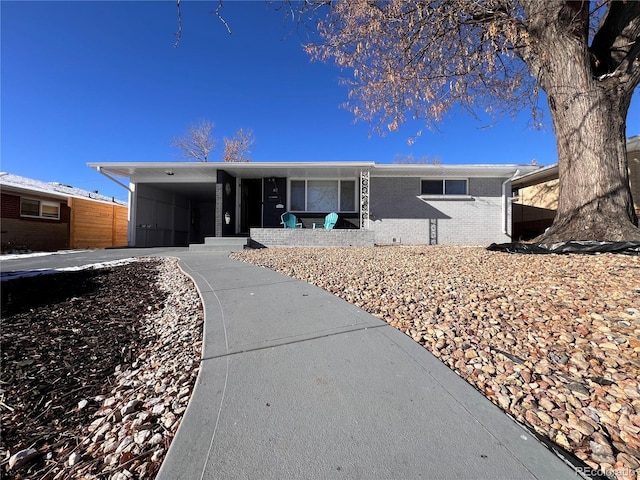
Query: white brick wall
x=398 y=216
x=307 y=237
x=402 y=231
x=397 y=213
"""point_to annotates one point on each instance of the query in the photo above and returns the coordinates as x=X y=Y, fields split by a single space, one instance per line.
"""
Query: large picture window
x=39 y=209
x=444 y=187
x=323 y=195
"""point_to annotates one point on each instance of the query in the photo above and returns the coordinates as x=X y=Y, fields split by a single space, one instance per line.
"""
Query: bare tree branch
x=178 y=33
x=616 y=37
x=221 y=18
x=238 y=148
x=197 y=143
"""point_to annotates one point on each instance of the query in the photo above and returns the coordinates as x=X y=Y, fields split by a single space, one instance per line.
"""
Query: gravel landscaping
x=553 y=340
x=97 y=369
x=98 y=366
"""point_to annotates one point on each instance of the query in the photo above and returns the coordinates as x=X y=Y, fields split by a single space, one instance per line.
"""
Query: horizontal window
x=323 y=196
x=39 y=209
x=444 y=187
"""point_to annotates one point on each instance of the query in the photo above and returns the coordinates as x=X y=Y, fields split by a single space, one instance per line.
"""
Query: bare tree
x=197 y=143
x=237 y=149
x=418 y=58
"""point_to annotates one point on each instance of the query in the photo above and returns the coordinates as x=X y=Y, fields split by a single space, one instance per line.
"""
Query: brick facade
x=399 y=216
x=32 y=233
x=10 y=206
x=307 y=237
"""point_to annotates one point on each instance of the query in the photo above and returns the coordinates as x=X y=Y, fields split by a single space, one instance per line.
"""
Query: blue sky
x=102 y=82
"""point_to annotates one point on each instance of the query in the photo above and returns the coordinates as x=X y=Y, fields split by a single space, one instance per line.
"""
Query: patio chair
x=329 y=222
x=289 y=220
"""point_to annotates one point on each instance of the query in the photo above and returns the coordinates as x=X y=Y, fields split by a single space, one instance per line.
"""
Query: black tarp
x=625 y=248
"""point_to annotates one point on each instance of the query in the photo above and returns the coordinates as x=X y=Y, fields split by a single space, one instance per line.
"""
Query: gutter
x=505 y=200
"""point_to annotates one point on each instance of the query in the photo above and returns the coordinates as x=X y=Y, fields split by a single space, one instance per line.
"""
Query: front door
x=250 y=204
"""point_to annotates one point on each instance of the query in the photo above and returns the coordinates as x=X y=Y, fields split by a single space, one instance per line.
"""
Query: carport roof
x=199 y=171
x=179 y=172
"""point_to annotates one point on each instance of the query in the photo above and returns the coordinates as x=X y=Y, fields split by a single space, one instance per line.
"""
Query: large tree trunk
x=594 y=199
x=589 y=118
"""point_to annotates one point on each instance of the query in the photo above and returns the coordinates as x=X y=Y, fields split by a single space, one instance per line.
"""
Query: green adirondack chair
x=329 y=222
x=289 y=220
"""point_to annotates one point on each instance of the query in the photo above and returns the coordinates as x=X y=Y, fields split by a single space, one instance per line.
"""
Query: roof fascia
x=472 y=171
x=8 y=187
x=536 y=177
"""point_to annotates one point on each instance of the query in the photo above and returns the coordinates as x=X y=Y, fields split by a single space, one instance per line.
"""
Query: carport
x=169 y=204
x=182 y=203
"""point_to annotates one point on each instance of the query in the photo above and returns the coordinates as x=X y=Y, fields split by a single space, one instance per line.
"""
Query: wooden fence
x=97 y=225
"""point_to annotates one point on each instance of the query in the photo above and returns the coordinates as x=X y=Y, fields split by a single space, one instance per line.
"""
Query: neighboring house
x=47 y=216
x=184 y=203
x=536 y=195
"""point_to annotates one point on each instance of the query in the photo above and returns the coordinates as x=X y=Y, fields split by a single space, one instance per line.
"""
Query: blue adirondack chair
x=329 y=222
x=289 y=220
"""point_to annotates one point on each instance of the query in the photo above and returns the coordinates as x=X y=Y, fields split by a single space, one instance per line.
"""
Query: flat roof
x=188 y=172
x=542 y=175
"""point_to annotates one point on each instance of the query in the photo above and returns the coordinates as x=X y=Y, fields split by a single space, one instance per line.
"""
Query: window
x=432 y=187
x=29 y=208
x=298 y=195
x=347 y=196
x=455 y=187
x=323 y=195
x=39 y=209
x=444 y=187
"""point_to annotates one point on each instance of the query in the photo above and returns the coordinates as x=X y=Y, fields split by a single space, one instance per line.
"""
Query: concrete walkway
x=298 y=384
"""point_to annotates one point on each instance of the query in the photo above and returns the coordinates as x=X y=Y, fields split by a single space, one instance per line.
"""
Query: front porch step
x=220 y=244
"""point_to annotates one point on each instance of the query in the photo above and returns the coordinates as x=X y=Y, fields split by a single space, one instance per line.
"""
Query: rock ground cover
x=553 y=340
x=97 y=370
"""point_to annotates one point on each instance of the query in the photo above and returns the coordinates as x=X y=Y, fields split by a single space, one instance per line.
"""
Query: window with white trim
x=444 y=186
x=323 y=195
x=30 y=207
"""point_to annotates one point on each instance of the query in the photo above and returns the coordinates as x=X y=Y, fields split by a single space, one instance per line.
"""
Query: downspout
x=131 y=216
x=505 y=202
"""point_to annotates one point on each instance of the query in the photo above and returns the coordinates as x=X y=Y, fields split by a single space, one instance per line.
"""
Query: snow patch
x=15 y=256
x=5 y=276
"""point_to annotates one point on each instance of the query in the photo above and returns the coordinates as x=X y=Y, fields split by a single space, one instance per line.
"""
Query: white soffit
x=296 y=169
x=451 y=171
x=160 y=172
x=179 y=172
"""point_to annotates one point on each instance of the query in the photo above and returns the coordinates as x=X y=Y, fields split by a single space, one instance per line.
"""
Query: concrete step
x=226 y=240
x=220 y=244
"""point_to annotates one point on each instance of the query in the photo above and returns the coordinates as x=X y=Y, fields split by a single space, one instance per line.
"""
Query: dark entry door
x=250 y=204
